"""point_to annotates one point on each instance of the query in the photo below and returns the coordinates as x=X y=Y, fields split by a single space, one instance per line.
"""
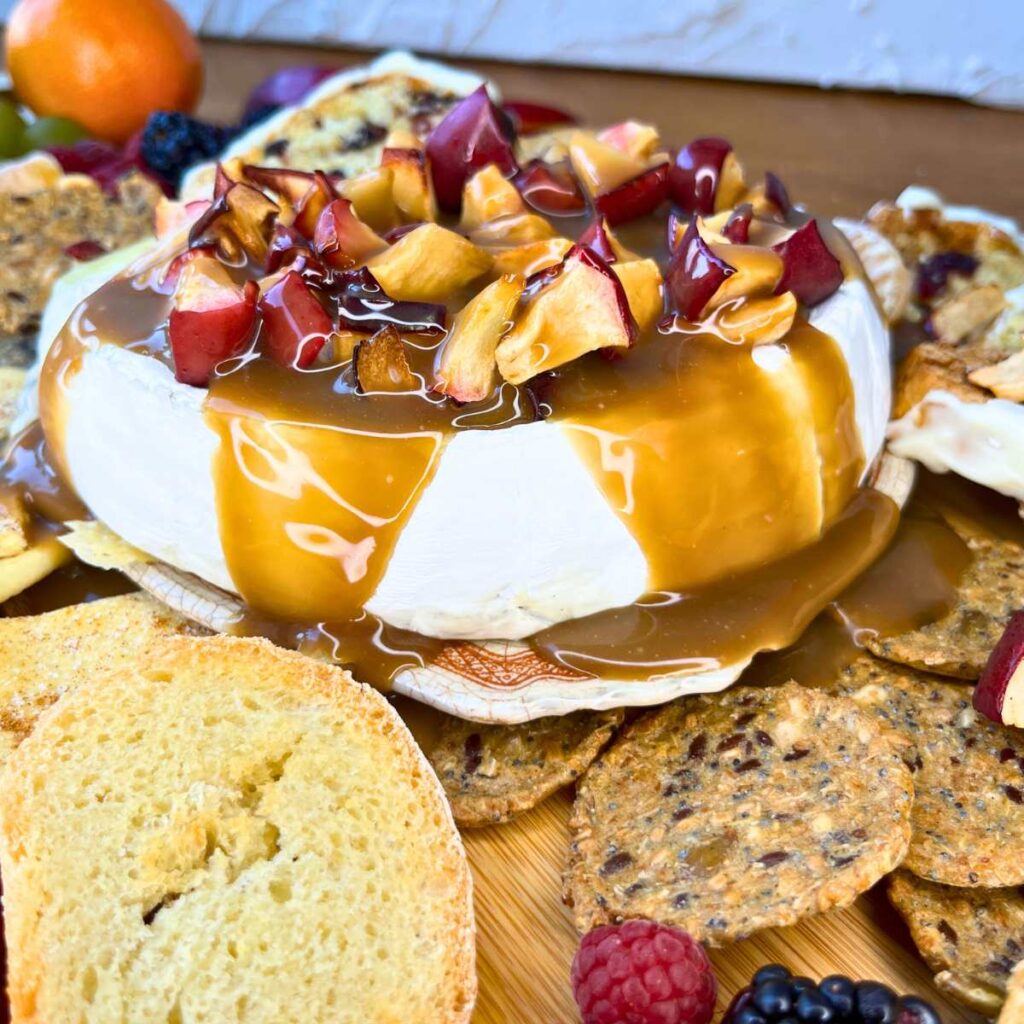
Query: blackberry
x=173 y=142
x=775 y=996
x=933 y=273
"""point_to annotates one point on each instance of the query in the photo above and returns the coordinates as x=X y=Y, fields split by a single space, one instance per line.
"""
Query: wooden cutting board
x=526 y=938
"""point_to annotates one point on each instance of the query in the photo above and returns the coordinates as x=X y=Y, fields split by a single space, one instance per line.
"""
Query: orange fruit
x=107 y=64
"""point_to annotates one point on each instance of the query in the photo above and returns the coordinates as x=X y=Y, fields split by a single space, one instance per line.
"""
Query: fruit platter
x=471 y=558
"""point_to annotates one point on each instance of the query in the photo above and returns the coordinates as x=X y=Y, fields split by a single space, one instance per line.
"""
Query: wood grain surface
x=838 y=152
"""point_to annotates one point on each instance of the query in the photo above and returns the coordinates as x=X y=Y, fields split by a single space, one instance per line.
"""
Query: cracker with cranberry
x=968 y=814
x=970 y=938
x=727 y=813
x=958 y=644
x=493 y=772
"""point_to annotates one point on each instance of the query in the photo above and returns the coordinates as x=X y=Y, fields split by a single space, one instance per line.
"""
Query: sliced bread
x=229 y=832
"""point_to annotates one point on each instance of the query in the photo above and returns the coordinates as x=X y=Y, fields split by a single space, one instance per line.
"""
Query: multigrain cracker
x=968 y=814
x=726 y=813
x=958 y=644
x=493 y=772
x=970 y=938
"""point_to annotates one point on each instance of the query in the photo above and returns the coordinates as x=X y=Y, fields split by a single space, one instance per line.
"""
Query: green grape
x=53 y=131
x=12 y=131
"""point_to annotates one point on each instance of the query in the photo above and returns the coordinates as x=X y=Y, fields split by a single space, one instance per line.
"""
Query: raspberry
x=642 y=973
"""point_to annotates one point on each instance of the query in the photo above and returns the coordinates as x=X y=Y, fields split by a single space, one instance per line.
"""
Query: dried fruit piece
x=810 y=271
x=578 y=307
x=551 y=188
x=411 y=187
x=467 y=369
x=999 y=694
x=1004 y=379
x=473 y=134
x=295 y=325
x=429 y=264
x=381 y=364
x=211 y=320
x=641 y=280
x=342 y=240
x=489 y=195
x=706 y=177
x=695 y=273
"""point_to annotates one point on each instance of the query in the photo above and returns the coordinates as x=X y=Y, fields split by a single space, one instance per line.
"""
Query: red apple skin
x=694 y=274
x=341 y=239
x=676 y=230
x=320 y=194
x=473 y=134
x=285 y=181
x=535 y=117
x=177 y=265
x=693 y=180
x=216 y=329
x=1005 y=659
x=737 y=227
x=596 y=239
x=364 y=306
x=295 y=325
x=285 y=244
x=775 y=192
x=587 y=256
x=551 y=189
x=636 y=198
x=810 y=271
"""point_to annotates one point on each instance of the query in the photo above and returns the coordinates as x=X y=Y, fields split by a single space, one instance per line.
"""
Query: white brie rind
x=198 y=182
x=982 y=441
x=511 y=535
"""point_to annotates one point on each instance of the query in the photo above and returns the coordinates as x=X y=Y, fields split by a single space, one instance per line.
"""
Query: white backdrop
x=969 y=48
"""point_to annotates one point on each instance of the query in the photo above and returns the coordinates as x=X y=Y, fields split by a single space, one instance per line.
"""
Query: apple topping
x=372 y=194
x=810 y=271
x=364 y=307
x=641 y=280
x=535 y=117
x=286 y=244
x=600 y=166
x=428 y=264
x=737 y=226
x=381 y=364
x=295 y=324
x=487 y=196
x=636 y=198
x=473 y=134
x=467 y=370
x=758 y=271
x=756 y=321
x=577 y=307
x=342 y=240
x=411 y=187
x=776 y=194
x=211 y=320
x=290 y=185
x=633 y=138
x=171 y=215
x=706 y=177
x=527 y=259
x=695 y=273
x=518 y=229
x=238 y=223
x=320 y=194
x=551 y=188
x=999 y=694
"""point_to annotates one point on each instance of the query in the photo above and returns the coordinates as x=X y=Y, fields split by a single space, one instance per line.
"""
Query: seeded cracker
x=968 y=815
x=493 y=772
x=726 y=813
x=959 y=644
x=971 y=938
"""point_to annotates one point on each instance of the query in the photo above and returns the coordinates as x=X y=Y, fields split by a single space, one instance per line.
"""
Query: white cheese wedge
x=983 y=442
x=511 y=535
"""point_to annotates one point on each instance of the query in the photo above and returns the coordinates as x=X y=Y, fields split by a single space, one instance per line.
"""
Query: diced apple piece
x=810 y=271
x=171 y=215
x=372 y=194
x=238 y=223
x=381 y=364
x=573 y=309
x=695 y=273
x=320 y=194
x=211 y=320
x=343 y=343
x=400 y=138
x=342 y=240
x=757 y=272
x=535 y=117
x=411 y=187
x=999 y=694
x=641 y=280
x=285 y=244
x=429 y=264
x=676 y=230
x=632 y=138
x=636 y=198
x=551 y=188
x=600 y=237
x=757 y=321
x=600 y=166
x=526 y=260
x=706 y=177
x=487 y=196
x=775 y=192
x=364 y=307
x=289 y=184
x=468 y=370
x=295 y=325
x=473 y=134
x=518 y=229
x=737 y=227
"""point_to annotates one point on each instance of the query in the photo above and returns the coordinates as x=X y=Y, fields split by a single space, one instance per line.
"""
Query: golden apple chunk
x=641 y=280
x=487 y=196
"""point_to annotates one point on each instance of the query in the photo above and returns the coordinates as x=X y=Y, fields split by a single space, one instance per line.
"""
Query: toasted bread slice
x=231 y=832
x=42 y=656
